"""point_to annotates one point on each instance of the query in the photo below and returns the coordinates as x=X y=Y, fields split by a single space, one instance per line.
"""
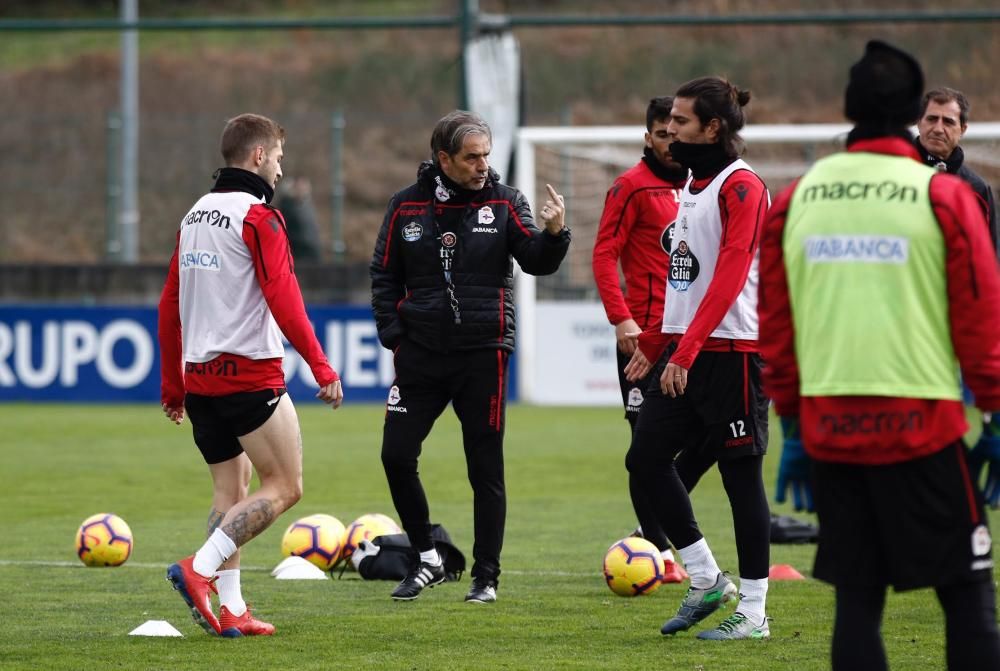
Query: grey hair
x=452 y=129
x=945 y=95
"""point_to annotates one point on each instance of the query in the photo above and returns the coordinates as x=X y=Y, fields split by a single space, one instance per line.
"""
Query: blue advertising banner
x=104 y=354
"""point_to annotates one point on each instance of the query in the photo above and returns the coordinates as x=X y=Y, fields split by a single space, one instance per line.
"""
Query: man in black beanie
x=888 y=266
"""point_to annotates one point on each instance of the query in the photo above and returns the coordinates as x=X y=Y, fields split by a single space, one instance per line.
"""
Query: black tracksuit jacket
x=955 y=165
x=409 y=290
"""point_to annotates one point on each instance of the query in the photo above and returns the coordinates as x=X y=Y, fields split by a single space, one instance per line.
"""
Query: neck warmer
x=703 y=160
x=444 y=189
x=951 y=165
x=667 y=174
x=238 y=179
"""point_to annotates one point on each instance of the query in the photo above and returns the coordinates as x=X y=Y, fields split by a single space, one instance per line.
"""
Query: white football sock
x=218 y=548
x=667 y=555
x=753 y=595
x=431 y=557
x=700 y=564
x=230 y=594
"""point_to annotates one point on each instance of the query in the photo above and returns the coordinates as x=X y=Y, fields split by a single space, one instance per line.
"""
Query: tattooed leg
x=230 y=485
x=214 y=520
x=249 y=520
x=275 y=450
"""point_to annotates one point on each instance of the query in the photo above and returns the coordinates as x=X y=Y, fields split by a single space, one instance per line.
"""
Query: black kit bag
x=787 y=529
x=391 y=557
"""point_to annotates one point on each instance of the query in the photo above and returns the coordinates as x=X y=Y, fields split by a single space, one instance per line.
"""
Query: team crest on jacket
x=412 y=231
x=981 y=541
x=667 y=237
x=486 y=215
x=393 y=395
x=448 y=239
x=684 y=267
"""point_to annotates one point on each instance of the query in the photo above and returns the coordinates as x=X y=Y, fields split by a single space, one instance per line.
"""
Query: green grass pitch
x=567 y=502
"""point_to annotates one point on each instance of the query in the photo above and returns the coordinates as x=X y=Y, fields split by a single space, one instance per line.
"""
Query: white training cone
x=155 y=628
x=297 y=568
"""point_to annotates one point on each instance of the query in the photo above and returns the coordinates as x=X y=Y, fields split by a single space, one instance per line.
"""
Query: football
x=366 y=528
x=633 y=566
x=103 y=539
x=318 y=539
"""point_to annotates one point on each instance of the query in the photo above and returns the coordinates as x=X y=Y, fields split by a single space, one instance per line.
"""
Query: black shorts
x=218 y=421
x=722 y=413
x=918 y=523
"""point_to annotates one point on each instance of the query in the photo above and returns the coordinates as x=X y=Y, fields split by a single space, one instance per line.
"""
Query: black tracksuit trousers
x=475 y=382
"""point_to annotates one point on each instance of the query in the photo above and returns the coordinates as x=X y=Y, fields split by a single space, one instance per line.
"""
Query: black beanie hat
x=886 y=86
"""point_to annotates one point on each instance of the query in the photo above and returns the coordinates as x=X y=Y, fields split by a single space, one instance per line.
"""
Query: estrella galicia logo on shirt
x=412 y=231
x=684 y=267
x=667 y=237
x=199 y=259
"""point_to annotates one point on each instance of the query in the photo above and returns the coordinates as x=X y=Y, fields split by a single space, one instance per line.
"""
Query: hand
x=987 y=451
x=674 y=380
x=174 y=414
x=331 y=394
x=627 y=335
x=638 y=366
x=793 y=471
x=553 y=211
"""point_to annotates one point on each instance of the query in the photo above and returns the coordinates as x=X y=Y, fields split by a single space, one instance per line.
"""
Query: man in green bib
x=877 y=284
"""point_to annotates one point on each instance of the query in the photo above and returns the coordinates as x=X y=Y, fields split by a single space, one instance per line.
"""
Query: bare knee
x=230 y=482
x=284 y=492
x=232 y=493
x=293 y=493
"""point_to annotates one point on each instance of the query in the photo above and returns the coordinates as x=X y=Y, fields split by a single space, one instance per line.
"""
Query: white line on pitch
x=146 y=565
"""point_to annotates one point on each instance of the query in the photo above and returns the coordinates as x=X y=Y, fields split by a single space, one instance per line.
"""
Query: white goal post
x=565 y=346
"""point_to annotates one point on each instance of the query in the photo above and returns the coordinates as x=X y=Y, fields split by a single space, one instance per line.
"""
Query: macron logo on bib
x=198 y=259
x=856 y=249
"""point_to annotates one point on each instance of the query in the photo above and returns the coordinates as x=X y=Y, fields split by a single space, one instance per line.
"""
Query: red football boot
x=673 y=572
x=196 y=591
x=244 y=625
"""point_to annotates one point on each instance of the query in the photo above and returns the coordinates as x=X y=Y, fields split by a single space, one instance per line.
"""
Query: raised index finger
x=552 y=192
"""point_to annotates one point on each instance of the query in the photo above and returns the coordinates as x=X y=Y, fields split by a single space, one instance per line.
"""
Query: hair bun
x=742 y=97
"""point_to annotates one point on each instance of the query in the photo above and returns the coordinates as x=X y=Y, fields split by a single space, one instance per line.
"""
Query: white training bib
x=694 y=239
x=222 y=307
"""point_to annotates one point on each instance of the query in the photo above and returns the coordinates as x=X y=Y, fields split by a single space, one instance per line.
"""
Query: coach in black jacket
x=943 y=121
x=442 y=295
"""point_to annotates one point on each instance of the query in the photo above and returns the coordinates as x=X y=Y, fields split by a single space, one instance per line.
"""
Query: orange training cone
x=784 y=572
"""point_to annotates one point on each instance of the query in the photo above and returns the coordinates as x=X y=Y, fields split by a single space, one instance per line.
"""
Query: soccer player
x=442 y=295
x=230 y=294
x=878 y=280
x=705 y=397
x=638 y=209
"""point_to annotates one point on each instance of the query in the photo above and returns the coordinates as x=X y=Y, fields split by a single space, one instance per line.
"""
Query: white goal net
x=566 y=352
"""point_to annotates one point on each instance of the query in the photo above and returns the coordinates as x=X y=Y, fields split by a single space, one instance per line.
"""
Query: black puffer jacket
x=409 y=291
x=955 y=165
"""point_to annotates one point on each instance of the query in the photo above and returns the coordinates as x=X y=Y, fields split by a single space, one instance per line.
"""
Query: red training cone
x=784 y=572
